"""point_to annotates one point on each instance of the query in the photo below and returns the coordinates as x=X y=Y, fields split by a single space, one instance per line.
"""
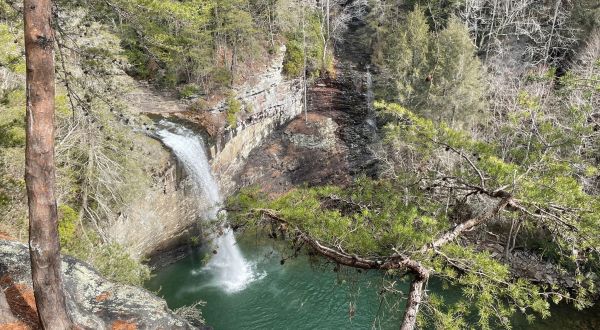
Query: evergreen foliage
x=90 y=146
x=209 y=44
x=435 y=73
x=410 y=209
x=234 y=106
x=293 y=63
x=466 y=134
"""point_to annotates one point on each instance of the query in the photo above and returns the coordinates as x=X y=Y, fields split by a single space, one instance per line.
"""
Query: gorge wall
x=269 y=100
x=163 y=222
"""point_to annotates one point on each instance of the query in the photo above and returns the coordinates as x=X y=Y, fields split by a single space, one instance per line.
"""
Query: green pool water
x=301 y=294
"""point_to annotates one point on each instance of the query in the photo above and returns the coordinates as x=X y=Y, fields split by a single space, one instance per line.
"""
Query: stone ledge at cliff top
x=94 y=302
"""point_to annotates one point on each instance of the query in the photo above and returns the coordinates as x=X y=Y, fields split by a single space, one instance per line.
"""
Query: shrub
x=139 y=62
x=114 y=263
x=293 y=62
x=12 y=136
x=192 y=313
x=221 y=77
x=67 y=225
x=189 y=91
x=200 y=105
x=234 y=106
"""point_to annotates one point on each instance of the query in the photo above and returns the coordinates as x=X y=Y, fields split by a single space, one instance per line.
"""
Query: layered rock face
x=94 y=303
x=278 y=104
x=164 y=221
x=270 y=101
x=306 y=151
x=336 y=141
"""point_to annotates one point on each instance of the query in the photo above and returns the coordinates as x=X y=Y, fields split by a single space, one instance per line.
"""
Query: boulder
x=93 y=301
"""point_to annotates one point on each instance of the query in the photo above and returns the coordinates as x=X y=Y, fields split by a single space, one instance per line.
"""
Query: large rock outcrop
x=162 y=223
x=303 y=152
x=94 y=302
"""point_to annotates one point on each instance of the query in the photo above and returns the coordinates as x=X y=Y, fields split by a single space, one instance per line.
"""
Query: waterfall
x=371 y=121
x=229 y=268
x=369 y=89
x=189 y=150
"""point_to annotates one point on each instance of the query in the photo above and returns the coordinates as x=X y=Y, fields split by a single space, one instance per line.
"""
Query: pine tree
x=44 y=245
x=456 y=90
x=406 y=58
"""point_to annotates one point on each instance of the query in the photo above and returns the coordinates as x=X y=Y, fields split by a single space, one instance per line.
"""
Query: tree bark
x=44 y=245
x=415 y=296
x=468 y=225
x=304 y=64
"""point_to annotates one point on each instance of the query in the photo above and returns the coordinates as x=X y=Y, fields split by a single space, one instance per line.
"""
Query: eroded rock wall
x=162 y=222
x=268 y=100
x=160 y=219
x=276 y=102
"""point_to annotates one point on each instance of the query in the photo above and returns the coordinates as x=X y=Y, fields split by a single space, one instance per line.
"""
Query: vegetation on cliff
x=107 y=172
x=101 y=166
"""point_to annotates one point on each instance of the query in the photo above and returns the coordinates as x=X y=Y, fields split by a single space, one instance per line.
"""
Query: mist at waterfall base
x=295 y=295
x=228 y=268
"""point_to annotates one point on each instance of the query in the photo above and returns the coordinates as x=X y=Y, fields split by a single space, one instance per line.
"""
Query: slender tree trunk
x=549 y=42
x=233 y=61
x=328 y=18
x=304 y=63
x=44 y=245
x=415 y=296
x=326 y=37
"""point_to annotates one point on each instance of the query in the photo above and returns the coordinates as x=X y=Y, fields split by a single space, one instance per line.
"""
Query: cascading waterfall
x=371 y=116
x=231 y=271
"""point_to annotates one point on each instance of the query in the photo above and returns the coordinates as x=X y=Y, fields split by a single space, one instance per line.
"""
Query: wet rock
x=303 y=152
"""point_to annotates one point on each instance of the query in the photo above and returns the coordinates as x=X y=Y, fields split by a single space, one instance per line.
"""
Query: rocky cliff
x=336 y=142
x=275 y=102
x=163 y=220
x=94 y=303
x=268 y=101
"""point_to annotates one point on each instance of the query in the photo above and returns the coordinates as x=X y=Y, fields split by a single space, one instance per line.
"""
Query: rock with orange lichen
x=123 y=325
x=94 y=302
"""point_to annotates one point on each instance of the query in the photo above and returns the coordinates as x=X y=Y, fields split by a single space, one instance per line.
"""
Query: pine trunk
x=39 y=173
x=415 y=296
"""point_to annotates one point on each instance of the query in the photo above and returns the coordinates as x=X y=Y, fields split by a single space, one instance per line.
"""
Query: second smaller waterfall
x=231 y=271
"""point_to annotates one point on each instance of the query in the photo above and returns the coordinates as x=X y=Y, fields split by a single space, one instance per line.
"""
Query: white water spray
x=231 y=271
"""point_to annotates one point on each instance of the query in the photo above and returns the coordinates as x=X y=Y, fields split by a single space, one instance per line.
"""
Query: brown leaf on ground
x=103 y=296
x=14 y=326
x=6 y=237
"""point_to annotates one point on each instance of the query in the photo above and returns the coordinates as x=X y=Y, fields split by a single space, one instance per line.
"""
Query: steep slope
x=339 y=117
